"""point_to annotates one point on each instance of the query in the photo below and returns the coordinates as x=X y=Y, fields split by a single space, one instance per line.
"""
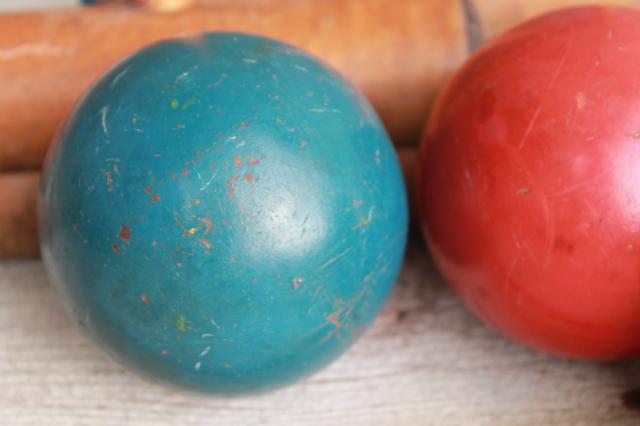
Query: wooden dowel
x=398 y=53
x=18 y=225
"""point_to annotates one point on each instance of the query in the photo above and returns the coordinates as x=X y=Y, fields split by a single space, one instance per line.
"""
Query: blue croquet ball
x=224 y=213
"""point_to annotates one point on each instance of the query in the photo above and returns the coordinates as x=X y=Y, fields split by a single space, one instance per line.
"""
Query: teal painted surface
x=223 y=213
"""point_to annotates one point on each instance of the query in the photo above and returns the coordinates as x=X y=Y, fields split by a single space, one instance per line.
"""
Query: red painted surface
x=124 y=233
x=530 y=183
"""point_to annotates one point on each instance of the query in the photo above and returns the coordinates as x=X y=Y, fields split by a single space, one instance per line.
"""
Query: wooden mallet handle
x=18 y=227
x=398 y=53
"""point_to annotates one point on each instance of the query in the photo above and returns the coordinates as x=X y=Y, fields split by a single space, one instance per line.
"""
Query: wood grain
x=18 y=225
x=399 y=56
x=399 y=53
x=425 y=362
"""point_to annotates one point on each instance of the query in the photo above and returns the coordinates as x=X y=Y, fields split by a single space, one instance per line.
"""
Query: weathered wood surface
x=425 y=362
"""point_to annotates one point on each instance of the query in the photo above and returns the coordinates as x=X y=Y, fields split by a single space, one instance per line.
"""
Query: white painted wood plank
x=426 y=362
x=21 y=5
